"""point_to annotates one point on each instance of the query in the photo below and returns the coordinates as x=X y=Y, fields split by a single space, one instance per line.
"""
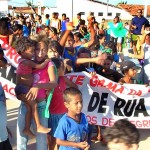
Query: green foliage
x=122 y=2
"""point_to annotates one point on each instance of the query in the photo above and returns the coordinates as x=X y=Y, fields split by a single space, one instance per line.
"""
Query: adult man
x=136 y=26
x=80 y=21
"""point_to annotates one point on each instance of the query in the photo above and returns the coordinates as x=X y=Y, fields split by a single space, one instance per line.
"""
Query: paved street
x=12 y=111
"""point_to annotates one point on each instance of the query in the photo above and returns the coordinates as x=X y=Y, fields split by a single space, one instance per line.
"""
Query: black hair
x=64 y=14
x=17 y=27
x=79 y=14
x=84 y=31
x=83 y=50
x=56 y=46
x=57 y=62
x=111 y=45
x=71 y=35
x=122 y=131
x=79 y=35
x=70 y=92
x=3 y=26
x=82 y=22
x=47 y=15
x=100 y=36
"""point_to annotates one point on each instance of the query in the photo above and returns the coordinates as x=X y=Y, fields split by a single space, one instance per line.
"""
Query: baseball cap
x=126 y=65
x=53 y=29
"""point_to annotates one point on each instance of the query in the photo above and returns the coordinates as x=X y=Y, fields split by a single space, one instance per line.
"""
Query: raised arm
x=92 y=32
x=69 y=28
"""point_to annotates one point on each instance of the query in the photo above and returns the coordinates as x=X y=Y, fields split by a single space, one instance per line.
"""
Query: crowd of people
x=50 y=102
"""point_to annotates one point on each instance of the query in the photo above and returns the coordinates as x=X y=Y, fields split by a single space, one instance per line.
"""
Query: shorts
x=134 y=37
x=21 y=89
x=53 y=122
x=116 y=40
x=119 y=40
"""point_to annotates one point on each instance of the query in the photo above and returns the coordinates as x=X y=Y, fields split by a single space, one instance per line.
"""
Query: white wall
x=65 y=6
x=3 y=7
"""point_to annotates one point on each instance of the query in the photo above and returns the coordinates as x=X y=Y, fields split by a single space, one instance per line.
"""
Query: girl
x=25 y=48
x=57 y=108
x=77 y=40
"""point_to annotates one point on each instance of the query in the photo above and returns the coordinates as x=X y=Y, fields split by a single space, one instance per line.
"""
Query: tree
x=122 y=2
x=29 y=3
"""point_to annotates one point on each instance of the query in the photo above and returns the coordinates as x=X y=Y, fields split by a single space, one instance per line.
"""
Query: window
x=109 y=14
x=92 y=13
x=118 y=14
x=100 y=14
x=82 y=13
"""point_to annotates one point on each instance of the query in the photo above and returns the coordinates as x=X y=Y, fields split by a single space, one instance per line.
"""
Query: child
x=25 y=48
x=129 y=69
x=72 y=129
x=57 y=108
x=122 y=135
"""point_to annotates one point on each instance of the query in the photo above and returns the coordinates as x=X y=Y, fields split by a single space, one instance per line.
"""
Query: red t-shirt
x=5 y=39
x=57 y=104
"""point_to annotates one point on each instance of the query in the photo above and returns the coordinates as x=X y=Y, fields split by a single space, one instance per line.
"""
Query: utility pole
x=107 y=7
x=145 y=9
x=72 y=10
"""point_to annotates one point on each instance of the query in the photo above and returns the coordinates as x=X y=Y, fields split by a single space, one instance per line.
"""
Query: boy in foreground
x=72 y=130
x=123 y=135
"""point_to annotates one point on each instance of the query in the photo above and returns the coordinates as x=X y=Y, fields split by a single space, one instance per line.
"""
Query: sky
x=52 y=3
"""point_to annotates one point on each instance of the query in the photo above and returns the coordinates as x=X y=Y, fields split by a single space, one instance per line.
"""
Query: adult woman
x=43 y=79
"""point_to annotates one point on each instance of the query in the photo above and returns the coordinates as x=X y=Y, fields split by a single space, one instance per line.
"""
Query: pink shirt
x=23 y=69
x=41 y=76
x=57 y=104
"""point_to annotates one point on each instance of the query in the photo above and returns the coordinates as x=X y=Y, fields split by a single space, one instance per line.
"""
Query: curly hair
x=23 y=44
x=122 y=132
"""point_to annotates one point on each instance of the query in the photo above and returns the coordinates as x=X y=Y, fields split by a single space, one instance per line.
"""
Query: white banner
x=104 y=101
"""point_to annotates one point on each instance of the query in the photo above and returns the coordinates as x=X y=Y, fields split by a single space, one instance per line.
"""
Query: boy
x=72 y=130
x=129 y=69
x=122 y=135
x=47 y=20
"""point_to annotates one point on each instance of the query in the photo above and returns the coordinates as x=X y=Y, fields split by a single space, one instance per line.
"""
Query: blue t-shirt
x=139 y=22
x=71 y=57
x=47 y=22
x=70 y=130
x=63 y=25
x=25 y=31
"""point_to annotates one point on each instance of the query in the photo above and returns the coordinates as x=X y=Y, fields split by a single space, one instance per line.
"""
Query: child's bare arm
x=70 y=83
x=35 y=65
x=97 y=60
x=81 y=145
